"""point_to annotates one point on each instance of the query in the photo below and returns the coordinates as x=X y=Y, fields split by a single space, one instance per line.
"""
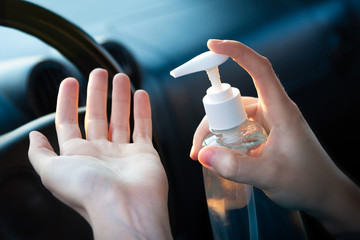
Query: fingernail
x=215 y=40
x=192 y=154
x=207 y=157
x=32 y=134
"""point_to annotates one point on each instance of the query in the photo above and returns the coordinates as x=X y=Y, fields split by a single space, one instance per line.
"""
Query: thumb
x=40 y=151
x=231 y=165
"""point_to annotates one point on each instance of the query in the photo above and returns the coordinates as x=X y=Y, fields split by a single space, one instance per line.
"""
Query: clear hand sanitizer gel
x=231 y=205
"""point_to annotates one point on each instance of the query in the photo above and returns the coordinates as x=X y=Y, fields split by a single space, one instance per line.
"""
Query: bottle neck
x=247 y=135
x=228 y=136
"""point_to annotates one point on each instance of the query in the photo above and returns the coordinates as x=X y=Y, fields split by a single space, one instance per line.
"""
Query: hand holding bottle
x=120 y=188
x=292 y=168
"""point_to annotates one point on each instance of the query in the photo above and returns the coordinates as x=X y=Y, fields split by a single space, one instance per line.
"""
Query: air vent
x=44 y=82
x=126 y=61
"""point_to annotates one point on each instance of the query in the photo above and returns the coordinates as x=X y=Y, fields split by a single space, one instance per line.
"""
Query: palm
x=90 y=167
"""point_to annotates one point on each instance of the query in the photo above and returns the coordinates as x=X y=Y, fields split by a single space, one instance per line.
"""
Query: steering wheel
x=27 y=209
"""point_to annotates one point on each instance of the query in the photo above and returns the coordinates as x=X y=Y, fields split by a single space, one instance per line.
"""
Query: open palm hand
x=104 y=175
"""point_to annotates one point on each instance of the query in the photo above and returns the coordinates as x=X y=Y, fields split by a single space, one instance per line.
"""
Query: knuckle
x=266 y=63
x=229 y=168
x=295 y=118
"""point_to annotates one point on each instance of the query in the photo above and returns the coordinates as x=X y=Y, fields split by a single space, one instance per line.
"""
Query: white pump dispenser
x=223 y=104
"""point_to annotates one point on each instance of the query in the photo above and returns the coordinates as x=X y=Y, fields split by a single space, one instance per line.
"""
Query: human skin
x=119 y=187
x=292 y=168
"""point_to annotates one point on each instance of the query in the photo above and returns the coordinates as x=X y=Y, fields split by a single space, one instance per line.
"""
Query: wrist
x=117 y=216
x=340 y=211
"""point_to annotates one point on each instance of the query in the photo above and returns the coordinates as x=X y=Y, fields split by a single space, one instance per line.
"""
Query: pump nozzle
x=223 y=104
x=207 y=61
x=214 y=77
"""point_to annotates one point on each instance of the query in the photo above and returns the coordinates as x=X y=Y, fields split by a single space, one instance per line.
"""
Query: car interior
x=313 y=46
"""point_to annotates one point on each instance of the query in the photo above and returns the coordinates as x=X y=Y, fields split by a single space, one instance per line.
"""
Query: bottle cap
x=223 y=104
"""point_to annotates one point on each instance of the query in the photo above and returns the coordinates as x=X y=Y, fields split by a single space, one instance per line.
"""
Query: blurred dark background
x=313 y=46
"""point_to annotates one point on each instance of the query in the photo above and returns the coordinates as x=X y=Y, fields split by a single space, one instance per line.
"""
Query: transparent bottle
x=234 y=213
x=224 y=196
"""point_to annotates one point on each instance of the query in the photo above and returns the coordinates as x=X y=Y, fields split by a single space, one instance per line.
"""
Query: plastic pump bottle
x=231 y=205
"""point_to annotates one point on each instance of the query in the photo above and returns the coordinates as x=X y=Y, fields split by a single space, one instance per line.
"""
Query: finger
x=251 y=106
x=96 y=126
x=142 y=117
x=40 y=151
x=232 y=165
x=267 y=84
x=120 y=109
x=66 y=119
x=201 y=132
x=249 y=100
